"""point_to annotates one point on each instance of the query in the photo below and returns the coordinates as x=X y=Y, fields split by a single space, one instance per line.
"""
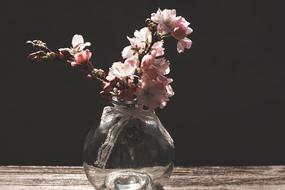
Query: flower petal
x=122 y=70
x=77 y=40
x=184 y=43
x=143 y=35
x=81 y=47
x=83 y=56
x=127 y=52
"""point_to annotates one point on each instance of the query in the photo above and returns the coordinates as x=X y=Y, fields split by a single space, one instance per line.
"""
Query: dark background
x=230 y=93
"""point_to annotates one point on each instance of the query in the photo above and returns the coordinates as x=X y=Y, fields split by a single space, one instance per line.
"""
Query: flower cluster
x=177 y=26
x=76 y=55
x=142 y=74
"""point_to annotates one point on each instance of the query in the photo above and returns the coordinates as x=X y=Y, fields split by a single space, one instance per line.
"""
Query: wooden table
x=198 y=178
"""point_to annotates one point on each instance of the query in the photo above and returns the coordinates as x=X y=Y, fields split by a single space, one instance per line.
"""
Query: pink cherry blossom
x=166 y=82
x=177 y=26
x=181 y=29
x=165 y=19
x=121 y=70
x=76 y=55
x=154 y=67
x=157 y=48
x=143 y=35
x=153 y=93
x=139 y=43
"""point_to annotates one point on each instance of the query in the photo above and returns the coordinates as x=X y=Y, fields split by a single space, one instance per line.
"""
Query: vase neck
x=127 y=104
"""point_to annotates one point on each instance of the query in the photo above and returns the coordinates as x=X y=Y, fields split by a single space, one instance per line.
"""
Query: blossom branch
x=142 y=76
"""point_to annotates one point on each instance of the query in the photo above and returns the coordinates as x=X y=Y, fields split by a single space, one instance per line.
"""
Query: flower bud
x=37 y=56
x=98 y=73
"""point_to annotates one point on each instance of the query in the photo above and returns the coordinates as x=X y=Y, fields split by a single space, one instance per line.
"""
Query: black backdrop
x=230 y=97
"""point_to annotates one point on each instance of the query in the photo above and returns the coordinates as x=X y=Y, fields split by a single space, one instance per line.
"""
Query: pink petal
x=143 y=35
x=83 y=57
x=158 y=48
x=184 y=43
x=127 y=52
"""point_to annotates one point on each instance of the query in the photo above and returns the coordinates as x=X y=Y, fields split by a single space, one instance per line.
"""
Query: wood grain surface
x=193 y=178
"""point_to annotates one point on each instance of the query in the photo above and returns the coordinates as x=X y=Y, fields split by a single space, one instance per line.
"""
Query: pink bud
x=82 y=57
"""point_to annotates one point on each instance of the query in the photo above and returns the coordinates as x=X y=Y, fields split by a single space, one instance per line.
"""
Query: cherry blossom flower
x=143 y=35
x=157 y=49
x=76 y=55
x=181 y=29
x=122 y=70
x=153 y=93
x=177 y=26
x=155 y=67
x=139 y=43
x=166 y=82
x=165 y=19
x=152 y=64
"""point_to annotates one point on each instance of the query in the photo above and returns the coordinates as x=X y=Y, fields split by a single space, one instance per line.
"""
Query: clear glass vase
x=130 y=149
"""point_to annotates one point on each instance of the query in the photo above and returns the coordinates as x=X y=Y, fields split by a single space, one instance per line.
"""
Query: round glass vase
x=130 y=149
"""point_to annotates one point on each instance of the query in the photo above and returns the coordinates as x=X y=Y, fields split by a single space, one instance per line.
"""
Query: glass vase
x=130 y=149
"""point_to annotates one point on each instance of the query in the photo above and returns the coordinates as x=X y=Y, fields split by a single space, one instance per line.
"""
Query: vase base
x=128 y=180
